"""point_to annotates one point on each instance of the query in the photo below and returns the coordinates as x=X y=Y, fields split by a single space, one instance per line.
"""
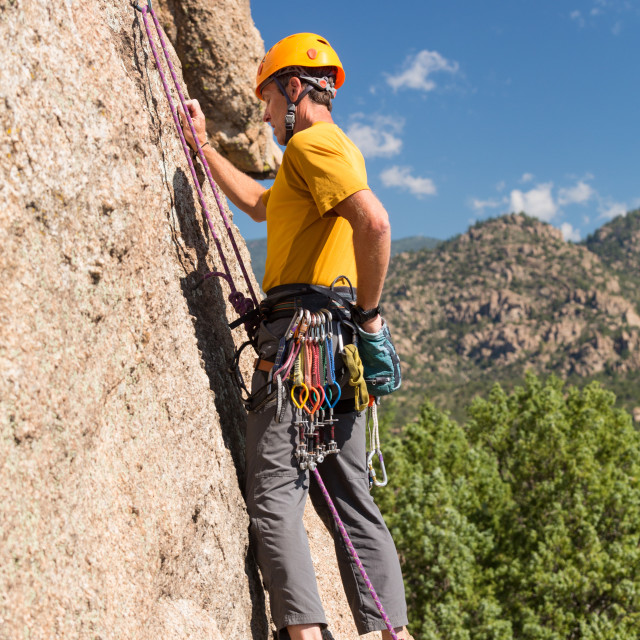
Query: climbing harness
x=241 y=304
x=304 y=361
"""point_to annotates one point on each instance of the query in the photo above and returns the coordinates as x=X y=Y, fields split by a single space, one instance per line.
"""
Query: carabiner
x=315 y=328
x=372 y=473
x=293 y=325
x=304 y=324
x=137 y=6
x=329 y=322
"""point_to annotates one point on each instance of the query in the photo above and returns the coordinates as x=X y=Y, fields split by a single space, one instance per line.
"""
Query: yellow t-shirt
x=306 y=241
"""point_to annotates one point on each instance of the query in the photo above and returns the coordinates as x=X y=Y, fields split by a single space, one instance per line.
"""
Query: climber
x=322 y=221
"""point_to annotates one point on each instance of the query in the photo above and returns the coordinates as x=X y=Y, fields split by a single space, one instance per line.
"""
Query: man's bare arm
x=372 y=246
x=242 y=190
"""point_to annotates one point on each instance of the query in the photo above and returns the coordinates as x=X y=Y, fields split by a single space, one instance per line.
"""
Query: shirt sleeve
x=331 y=171
x=265 y=197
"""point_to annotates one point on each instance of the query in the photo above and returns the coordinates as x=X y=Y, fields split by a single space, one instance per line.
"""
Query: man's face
x=275 y=110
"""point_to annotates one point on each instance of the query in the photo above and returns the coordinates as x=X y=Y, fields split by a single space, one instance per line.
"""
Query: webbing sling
x=241 y=304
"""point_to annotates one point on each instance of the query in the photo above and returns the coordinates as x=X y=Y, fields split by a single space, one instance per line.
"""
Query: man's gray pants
x=276 y=492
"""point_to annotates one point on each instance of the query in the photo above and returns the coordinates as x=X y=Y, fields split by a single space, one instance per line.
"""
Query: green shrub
x=523 y=523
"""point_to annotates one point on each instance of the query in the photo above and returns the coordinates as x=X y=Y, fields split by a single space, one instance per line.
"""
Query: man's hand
x=242 y=190
x=199 y=124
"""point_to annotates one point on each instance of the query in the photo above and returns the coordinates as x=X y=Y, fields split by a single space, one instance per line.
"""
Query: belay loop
x=240 y=303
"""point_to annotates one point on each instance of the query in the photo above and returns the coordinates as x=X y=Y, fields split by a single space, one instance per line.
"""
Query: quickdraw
x=312 y=381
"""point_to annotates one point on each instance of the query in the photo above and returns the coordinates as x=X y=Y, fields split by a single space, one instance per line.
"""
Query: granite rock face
x=121 y=430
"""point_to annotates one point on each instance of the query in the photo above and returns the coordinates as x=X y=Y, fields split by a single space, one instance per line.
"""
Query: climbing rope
x=354 y=553
x=240 y=303
x=309 y=398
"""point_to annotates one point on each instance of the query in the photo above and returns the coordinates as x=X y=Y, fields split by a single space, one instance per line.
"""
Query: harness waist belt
x=283 y=300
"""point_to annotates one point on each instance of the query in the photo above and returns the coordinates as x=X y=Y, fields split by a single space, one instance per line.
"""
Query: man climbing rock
x=323 y=222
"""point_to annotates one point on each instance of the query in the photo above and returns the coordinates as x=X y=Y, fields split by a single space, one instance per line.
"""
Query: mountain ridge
x=508 y=295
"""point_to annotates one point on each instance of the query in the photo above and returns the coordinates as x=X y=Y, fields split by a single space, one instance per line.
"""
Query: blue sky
x=467 y=110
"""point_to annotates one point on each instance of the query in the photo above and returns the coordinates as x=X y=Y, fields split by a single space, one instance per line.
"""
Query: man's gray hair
x=319 y=97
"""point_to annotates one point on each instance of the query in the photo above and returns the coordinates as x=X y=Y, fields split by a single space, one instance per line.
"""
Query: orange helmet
x=299 y=50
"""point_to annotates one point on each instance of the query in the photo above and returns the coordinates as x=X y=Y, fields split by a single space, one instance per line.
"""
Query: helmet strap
x=290 y=117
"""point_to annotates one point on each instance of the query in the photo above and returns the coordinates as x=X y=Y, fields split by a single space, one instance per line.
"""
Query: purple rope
x=354 y=553
x=241 y=304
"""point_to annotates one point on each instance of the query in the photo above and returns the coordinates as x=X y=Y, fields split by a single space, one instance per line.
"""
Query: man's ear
x=294 y=88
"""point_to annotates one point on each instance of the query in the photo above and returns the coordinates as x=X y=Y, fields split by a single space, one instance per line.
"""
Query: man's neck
x=309 y=113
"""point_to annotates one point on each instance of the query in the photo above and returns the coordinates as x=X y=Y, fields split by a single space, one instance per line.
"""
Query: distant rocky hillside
x=618 y=246
x=509 y=295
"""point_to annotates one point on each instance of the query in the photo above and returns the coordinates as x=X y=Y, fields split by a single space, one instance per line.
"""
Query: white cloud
x=601 y=10
x=576 y=16
x=418 y=69
x=401 y=177
x=501 y=185
x=492 y=203
x=569 y=233
x=581 y=193
x=611 y=210
x=527 y=177
x=378 y=137
x=537 y=202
